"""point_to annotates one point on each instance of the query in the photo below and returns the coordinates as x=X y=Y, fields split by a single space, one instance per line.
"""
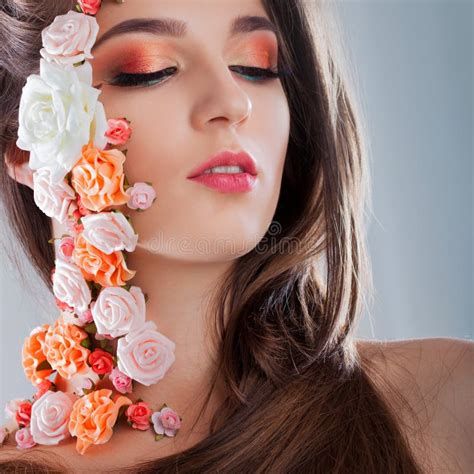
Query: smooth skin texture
x=192 y=234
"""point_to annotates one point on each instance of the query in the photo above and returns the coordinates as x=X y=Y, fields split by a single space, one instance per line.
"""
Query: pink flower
x=50 y=417
x=85 y=317
x=83 y=211
x=101 y=337
x=65 y=248
x=81 y=384
x=23 y=439
x=11 y=407
x=145 y=355
x=166 y=421
x=52 y=197
x=91 y=7
x=118 y=311
x=119 y=131
x=63 y=306
x=121 y=381
x=43 y=387
x=69 y=38
x=70 y=287
x=142 y=196
x=23 y=414
x=138 y=414
x=3 y=434
x=109 y=232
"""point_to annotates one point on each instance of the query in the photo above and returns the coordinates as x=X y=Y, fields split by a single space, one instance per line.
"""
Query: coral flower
x=104 y=269
x=98 y=178
x=33 y=355
x=63 y=348
x=93 y=417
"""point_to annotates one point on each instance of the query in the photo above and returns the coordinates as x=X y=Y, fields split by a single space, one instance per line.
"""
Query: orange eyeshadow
x=261 y=49
x=138 y=57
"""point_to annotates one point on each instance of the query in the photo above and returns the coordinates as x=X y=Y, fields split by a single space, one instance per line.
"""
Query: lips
x=227 y=158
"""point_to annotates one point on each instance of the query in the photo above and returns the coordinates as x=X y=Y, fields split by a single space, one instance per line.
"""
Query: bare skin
x=201 y=109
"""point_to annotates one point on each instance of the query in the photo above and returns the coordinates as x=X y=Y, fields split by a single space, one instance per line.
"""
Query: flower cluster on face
x=79 y=180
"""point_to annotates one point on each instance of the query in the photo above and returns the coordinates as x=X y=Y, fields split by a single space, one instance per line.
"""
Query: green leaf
x=149 y=183
x=101 y=376
x=109 y=349
x=90 y=328
x=103 y=343
x=159 y=437
x=86 y=343
x=45 y=365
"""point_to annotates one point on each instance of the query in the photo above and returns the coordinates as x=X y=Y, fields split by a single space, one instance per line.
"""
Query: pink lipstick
x=227 y=172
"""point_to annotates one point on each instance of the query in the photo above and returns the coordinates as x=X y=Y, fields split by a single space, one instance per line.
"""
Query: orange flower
x=97 y=266
x=93 y=417
x=62 y=346
x=33 y=355
x=98 y=178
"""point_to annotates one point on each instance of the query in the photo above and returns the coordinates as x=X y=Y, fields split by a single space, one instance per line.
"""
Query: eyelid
x=148 y=62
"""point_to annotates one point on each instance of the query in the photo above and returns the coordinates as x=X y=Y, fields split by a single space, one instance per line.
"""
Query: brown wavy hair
x=300 y=398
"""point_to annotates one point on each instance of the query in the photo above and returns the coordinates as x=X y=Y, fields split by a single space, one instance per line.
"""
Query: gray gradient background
x=413 y=61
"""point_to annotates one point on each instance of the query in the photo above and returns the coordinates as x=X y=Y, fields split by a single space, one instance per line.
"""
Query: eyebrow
x=178 y=28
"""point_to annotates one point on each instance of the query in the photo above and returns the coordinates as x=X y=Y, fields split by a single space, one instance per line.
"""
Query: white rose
x=59 y=113
x=52 y=198
x=145 y=355
x=69 y=38
x=109 y=232
x=50 y=417
x=70 y=287
x=118 y=311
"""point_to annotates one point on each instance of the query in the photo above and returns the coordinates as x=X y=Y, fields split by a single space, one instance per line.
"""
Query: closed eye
x=123 y=79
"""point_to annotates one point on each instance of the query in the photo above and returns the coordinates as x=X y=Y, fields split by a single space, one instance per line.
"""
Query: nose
x=219 y=98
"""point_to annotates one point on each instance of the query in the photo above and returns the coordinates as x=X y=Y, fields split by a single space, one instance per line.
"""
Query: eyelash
x=130 y=80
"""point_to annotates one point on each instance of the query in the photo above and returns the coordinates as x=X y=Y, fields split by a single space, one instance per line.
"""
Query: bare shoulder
x=429 y=384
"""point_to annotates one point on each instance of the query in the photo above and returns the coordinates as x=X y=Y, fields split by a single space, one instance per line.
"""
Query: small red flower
x=101 y=361
x=43 y=387
x=90 y=7
x=23 y=414
x=138 y=414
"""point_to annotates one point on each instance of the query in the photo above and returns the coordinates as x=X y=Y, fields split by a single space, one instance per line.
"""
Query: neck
x=178 y=294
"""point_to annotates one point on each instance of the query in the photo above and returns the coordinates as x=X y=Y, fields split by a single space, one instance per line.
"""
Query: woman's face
x=198 y=107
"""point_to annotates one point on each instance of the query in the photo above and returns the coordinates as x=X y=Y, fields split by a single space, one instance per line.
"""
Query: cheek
x=272 y=128
x=164 y=148
x=156 y=121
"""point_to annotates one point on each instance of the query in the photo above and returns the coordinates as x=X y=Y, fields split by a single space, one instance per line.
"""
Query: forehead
x=191 y=19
